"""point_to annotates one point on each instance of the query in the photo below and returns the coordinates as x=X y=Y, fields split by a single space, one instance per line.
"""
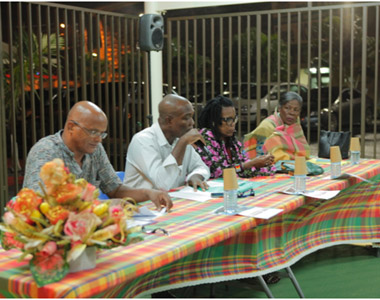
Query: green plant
x=23 y=69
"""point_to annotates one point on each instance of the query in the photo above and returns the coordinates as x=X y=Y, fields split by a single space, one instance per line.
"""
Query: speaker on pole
x=151 y=32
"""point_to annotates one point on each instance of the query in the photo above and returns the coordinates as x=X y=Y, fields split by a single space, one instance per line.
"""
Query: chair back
x=103 y=196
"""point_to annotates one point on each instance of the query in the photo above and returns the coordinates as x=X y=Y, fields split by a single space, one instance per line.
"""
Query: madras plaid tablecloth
x=204 y=247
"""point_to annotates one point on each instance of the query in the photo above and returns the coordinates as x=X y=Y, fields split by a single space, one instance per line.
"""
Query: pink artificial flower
x=53 y=174
x=116 y=212
x=25 y=203
x=88 y=193
x=8 y=218
x=106 y=232
x=215 y=158
x=49 y=248
x=49 y=264
x=9 y=241
x=79 y=225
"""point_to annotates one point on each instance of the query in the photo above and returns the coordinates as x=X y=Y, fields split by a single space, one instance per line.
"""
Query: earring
x=213 y=124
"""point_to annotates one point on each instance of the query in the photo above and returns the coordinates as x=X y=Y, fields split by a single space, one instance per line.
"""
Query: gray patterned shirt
x=96 y=167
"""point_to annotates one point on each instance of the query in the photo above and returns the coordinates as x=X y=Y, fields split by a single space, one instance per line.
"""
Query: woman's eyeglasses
x=229 y=121
x=91 y=133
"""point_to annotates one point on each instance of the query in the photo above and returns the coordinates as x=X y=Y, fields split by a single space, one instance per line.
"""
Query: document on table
x=254 y=212
x=325 y=195
x=261 y=212
x=188 y=193
x=144 y=216
x=348 y=175
x=215 y=190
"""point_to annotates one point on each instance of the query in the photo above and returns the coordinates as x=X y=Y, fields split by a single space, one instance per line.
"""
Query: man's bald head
x=83 y=120
x=84 y=111
x=171 y=105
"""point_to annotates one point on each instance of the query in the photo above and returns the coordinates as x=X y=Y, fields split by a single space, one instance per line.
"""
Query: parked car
x=345 y=100
x=268 y=102
x=322 y=95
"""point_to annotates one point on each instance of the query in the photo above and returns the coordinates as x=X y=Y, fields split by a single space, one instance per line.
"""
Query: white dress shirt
x=150 y=164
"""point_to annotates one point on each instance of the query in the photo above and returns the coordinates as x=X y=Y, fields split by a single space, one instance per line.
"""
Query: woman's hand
x=260 y=161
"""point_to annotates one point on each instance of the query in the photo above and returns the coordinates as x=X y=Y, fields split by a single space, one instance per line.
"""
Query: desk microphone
x=202 y=146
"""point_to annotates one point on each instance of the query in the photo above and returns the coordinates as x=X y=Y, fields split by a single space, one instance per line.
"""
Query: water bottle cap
x=355 y=144
x=230 y=179
x=335 y=155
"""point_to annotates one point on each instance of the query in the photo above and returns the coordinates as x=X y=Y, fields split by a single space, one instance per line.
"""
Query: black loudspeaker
x=151 y=32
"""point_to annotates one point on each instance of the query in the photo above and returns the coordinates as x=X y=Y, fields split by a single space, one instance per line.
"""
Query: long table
x=203 y=247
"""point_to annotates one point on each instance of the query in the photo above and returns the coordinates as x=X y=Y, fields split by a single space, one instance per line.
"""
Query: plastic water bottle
x=300 y=183
x=230 y=202
x=355 y=157
x=335 y=169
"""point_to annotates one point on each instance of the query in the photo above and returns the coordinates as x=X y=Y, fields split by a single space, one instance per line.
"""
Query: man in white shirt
x=162 y=156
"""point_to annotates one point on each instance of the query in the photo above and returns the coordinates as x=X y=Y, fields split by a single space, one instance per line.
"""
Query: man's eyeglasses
x=91 y=133
x=230 y=120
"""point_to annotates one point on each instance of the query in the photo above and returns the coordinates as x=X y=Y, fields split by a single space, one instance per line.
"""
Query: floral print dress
x=220 y=158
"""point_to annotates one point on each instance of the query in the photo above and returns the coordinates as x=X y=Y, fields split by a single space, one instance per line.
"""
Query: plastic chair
x=103 y=196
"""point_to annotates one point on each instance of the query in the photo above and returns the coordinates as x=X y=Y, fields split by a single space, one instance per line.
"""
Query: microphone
x=202 y=146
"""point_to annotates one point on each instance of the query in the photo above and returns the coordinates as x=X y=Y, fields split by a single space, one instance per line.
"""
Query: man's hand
x=192 y=136
x=197 y=180
x=160 y=198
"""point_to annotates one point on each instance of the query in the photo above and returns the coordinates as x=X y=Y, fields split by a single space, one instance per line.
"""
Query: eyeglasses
x=155 y=230
x=229 y=121
x=91 y=133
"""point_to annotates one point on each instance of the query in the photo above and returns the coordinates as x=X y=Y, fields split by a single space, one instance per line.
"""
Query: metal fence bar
x=297 y=41
x=239 y=70
x=3 y=142
x=376 y=80
x=248 y=77
x=53 y=56
x=364 y=78
x=351 y=67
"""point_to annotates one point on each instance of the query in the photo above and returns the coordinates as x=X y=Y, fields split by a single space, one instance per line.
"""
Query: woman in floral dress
x=218 y=120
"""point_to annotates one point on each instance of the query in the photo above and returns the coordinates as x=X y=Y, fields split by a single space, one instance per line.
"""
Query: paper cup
x=300 y=165
x=230 y=179
x=355 y=144
x=335 y=155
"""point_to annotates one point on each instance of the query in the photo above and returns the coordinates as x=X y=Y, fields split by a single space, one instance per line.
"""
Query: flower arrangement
x=55 y=228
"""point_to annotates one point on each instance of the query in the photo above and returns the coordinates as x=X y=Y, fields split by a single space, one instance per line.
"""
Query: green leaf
x=48 y=269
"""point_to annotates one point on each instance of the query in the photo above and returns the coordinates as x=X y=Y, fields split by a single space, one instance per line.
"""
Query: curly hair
x=211 y=114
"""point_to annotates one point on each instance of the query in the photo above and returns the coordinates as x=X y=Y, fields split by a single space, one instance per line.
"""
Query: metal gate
x=329 y=54
x=52 y=56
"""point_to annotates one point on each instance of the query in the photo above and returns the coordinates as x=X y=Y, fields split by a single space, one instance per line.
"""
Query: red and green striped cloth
x=283 y=141
x=203 y=247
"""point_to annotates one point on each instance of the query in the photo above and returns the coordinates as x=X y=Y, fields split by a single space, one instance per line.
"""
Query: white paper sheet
x=346 y=176
x=189 y=194
x=325 y=195
x=261 y=212
x=144 y=216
